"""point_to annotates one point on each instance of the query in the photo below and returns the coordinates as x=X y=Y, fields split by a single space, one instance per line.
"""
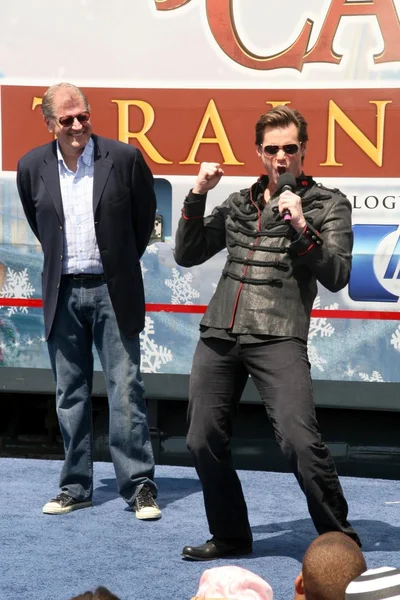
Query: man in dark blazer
x=90 y=202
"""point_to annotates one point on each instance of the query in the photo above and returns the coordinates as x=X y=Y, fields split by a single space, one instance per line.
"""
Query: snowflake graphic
x=349 y=372
x=152 y=249
x=320 y=325
x=23 y=343
x=144 y=270
x=316 y=361
x=376 y=376
x=152 y=355
x=395 y=339
x=182 y=291
x=16 y=286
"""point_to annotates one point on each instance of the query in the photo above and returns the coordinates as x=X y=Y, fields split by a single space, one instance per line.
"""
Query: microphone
x=286 y=182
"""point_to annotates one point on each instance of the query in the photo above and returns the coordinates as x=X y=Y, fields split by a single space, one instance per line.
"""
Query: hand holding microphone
x=286 y=183
x=290 y=207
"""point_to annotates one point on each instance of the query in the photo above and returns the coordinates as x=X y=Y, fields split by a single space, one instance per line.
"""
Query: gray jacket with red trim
x=269 y=281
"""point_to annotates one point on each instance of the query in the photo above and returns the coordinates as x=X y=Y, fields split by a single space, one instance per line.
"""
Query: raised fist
x=208 y=177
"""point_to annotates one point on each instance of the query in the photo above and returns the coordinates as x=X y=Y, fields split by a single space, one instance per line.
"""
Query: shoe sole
x=58 y=510
x=149 y=516
x=225 y=555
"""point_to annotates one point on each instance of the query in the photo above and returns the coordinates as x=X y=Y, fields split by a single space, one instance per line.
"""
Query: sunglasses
x=287 y=148
x=68 y=121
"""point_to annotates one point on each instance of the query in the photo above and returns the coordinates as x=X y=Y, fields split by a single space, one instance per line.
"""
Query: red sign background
x=178 y=114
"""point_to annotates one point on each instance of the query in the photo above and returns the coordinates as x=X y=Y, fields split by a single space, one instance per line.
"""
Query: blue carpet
x=45 y=557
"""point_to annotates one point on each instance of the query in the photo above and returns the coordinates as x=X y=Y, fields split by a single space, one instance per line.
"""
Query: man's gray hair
x=48 y=97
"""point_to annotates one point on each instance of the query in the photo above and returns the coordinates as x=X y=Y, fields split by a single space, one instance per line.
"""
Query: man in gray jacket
x=280 y=242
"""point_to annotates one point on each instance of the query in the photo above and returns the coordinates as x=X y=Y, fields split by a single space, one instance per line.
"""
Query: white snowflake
x=152 y=355
x=17 y=286
x=395 y=339
x=152 y=249
x=376 y=376
x=26 y=343
x=182 y=291
x=144 y=270
x=316 y=361
x=349 y=371
x=320 y=325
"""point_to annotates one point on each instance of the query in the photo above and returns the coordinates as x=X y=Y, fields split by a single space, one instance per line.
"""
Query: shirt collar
x=86 y=157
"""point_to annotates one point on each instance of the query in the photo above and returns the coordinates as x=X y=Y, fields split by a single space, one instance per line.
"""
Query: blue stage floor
x=46 y=557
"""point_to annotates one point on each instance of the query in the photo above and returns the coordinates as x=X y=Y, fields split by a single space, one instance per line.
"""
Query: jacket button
x=60 y=226
x=58 y=285
x=61 y=257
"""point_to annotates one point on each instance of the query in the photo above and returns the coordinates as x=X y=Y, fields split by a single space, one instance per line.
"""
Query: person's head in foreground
x=101 y=593
x=375 y=584
x=331 y=561
x=234 y=583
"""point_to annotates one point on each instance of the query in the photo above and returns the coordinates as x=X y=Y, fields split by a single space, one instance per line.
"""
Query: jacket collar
x=102 y=167
x=50 y=176
x=303 y=184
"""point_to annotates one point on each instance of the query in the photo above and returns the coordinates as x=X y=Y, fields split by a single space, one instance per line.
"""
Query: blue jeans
x=85 y=315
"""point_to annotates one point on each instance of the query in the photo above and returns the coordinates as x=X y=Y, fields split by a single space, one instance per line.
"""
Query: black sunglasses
x=287 y=148
x=68 y=121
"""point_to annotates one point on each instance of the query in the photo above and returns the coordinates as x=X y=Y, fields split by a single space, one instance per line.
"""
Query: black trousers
x=281 y=373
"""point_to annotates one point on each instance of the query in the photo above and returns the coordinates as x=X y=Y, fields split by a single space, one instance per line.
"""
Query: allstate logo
x=375 y=275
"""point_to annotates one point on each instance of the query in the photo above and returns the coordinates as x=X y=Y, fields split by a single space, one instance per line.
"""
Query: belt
x=85 y=276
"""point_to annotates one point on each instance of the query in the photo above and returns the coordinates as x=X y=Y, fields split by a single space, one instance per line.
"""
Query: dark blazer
x=269 y=282
x=124 y=206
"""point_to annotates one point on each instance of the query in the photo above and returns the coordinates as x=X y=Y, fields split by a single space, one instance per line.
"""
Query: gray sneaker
x=145 y=505
x=64 y=503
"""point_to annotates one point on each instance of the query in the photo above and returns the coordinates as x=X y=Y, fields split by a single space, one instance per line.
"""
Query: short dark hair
x=101 y=593
x=330 y=563
x=48 y=97
x=281 y=116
